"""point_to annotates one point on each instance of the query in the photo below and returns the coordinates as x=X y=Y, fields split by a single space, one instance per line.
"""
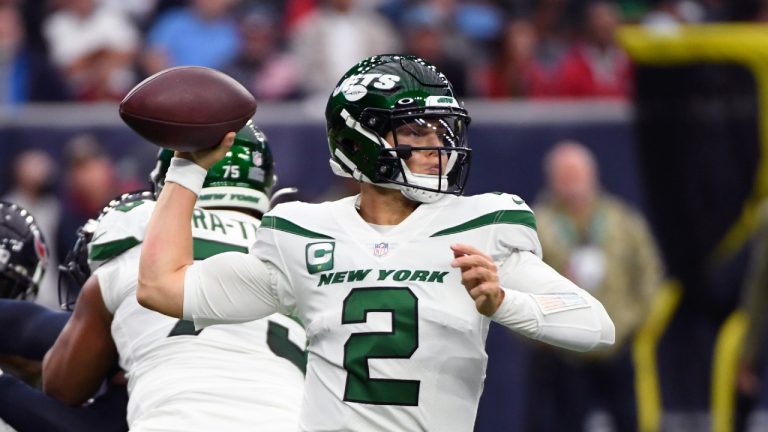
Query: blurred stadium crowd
x=91 y=50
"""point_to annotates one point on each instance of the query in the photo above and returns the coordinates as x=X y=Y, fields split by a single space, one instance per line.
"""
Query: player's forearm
x=67 y=375
x=565 y=319
x=80 y=359
x=167 y=249
x=543 y=305
x=59 y=384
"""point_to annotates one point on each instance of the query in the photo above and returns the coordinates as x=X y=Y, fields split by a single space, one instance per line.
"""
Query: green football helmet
x=242 y=180
x=382 y=95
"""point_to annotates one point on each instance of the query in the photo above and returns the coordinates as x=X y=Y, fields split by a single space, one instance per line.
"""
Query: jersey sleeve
x=230 y=287
x=118 y=231
x=542 y=304
x=268 y=249
x=117 y=278
x=514 y=225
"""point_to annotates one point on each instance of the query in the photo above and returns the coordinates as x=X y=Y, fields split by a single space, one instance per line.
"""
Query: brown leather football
x=187 y=108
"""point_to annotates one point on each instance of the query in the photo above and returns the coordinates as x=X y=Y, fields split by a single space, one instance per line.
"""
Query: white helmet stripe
x=354 y=124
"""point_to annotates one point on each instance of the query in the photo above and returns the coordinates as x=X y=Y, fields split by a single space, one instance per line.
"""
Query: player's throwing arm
x=167 y=250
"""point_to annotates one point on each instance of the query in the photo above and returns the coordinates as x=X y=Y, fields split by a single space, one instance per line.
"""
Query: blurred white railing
x=311 y=111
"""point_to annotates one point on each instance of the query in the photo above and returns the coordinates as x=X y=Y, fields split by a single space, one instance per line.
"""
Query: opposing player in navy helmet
x=23 y=253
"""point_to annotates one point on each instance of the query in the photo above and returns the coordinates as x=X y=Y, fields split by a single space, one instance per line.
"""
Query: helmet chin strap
x=421 y=195
x=416 y=193
x=413 y=193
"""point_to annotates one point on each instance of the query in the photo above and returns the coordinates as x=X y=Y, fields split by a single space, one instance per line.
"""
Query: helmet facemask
x=15 y=282
x=378 y=118
x=157 y=175
x=74 y=271
x=23 y=253
x=415 y=134
x=443 y=163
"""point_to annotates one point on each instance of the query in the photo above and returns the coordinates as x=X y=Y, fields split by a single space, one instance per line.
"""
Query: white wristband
x=518 y=312
x=186 y=173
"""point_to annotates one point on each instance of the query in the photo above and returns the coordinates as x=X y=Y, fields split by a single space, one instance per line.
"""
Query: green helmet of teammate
x=243 y=179
x=375 y=98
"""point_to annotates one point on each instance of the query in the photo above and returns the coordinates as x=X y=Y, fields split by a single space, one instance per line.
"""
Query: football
x=187 y=108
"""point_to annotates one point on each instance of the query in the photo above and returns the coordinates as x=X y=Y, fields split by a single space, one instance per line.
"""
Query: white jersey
x=395 y=341
x=227 y=377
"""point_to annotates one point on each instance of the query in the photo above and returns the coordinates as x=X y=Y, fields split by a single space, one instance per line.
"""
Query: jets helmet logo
x=356 y=86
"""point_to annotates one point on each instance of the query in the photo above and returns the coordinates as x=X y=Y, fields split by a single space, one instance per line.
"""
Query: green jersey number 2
x=399 y=343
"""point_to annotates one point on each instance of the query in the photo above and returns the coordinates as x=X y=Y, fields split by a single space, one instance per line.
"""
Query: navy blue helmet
x=23 y=253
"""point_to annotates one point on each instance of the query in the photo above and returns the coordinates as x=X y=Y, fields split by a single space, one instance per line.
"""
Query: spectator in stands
x=260 y=65
x=333 y=38
x=26 y=75
x=516 y=72
x=94 y=47
x=606 y=248
x=480 y=21
x=90 y=183
x=753 y=373
x=551 y=21
x=427 y=36
x=294 y=11
x=204 y=33
x=596 y=66
x=139 y=11
x=34 y=176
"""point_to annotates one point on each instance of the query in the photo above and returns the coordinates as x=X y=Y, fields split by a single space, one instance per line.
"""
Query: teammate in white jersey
x=235 y=378
x=396 y=286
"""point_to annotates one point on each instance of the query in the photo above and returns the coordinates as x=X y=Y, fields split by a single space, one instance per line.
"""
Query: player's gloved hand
x=208 y=157
x=479 y=276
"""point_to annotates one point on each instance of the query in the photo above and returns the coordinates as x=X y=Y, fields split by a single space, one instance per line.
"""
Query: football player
x=396 y=286
x=235 y=378
x=23 y=259
x=23 y=254
x=29 y=330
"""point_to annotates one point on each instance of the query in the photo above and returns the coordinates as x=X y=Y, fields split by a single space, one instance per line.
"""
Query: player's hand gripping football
x=208 y=157
x=479 y=276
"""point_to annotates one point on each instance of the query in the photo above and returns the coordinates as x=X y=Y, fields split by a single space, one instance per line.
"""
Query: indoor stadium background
x=685 y=143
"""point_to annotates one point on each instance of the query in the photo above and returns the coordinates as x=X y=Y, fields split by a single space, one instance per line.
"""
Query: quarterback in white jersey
x=227 y=377
x=396 y=286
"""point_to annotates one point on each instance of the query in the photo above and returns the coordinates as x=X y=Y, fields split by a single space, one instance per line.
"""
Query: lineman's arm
x=167 y=249
x=84 y=352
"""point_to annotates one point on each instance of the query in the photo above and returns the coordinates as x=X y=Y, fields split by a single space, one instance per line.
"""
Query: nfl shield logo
x=380 y=249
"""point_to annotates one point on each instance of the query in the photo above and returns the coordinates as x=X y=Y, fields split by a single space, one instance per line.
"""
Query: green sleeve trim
x=280 y=224
x=516 y=217
x=202 y=248
x=125 y=208
x=208 y=248
x=109 y=250
x=184 y=328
